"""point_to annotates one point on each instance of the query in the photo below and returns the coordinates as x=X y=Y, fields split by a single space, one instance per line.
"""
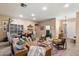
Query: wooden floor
x=72 y=50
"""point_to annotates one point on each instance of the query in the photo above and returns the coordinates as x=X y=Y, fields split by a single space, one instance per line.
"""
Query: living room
x=39 y=29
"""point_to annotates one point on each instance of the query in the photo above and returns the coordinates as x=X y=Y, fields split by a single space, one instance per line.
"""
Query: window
x=47 y=27
x=14 y=28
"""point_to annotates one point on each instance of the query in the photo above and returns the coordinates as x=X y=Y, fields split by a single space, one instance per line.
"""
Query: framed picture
x=5 y=23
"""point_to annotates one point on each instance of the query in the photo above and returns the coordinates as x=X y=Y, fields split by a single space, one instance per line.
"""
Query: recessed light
x=34 y=18
x=66 y=5
x=33 y=14
x=44 y=8
x=21 y=15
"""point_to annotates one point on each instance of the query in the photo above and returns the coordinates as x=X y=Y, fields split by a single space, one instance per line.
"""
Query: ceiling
x=53 y=10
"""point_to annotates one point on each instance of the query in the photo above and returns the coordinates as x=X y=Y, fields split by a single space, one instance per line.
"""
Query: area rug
x=56 y=52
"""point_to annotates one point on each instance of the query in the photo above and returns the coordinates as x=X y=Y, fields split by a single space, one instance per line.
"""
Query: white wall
x=71 y=26
x=57 y=27
x=25 y=23
x=71 y=29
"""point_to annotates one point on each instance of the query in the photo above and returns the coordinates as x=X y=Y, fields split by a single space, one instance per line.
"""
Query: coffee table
x=47 y=48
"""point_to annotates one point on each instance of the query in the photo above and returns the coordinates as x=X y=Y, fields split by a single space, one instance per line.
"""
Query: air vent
x=23 y=5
